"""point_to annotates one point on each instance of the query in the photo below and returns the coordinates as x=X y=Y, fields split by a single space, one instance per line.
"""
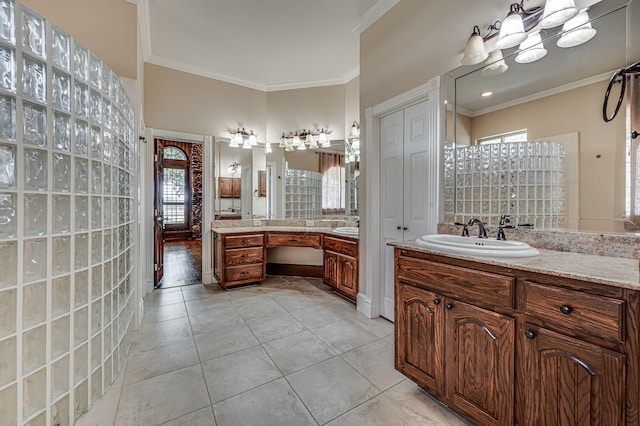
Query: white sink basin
x=474 y=246
x=347 y=230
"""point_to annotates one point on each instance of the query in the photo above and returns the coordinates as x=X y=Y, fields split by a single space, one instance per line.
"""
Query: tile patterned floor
x=286 y=352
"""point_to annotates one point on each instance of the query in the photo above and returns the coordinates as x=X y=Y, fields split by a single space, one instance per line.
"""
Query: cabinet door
x=330 y=269
x=218 y=249
x=348 y=276
x=224 y=187
x=480 y=363
x=419 y=328
x=569 y=382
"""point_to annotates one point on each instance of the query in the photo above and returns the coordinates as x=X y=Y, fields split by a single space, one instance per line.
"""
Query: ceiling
x=287 y=44
x=265 y=45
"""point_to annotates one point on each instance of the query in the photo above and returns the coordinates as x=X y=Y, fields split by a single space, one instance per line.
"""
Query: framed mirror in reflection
x=302 y=185
x=531 y=142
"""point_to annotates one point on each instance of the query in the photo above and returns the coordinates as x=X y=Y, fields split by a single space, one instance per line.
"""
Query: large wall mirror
x=313 y=184
x=531 y=141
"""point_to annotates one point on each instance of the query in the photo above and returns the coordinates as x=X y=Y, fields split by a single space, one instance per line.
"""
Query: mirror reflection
x=530 y=142
x=274 y=183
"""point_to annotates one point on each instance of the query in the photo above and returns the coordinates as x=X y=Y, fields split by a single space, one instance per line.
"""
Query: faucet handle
x=505 y=218
x=465 y=229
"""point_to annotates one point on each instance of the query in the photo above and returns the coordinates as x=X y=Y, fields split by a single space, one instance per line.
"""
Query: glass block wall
x=522 y=179
x=66 y=222
x=303 y=194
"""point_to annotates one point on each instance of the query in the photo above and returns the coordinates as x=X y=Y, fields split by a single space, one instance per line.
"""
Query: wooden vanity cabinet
x=239 y=258
x=548 y=351
x=340 y=265
x=460 y=352
x=229 y=187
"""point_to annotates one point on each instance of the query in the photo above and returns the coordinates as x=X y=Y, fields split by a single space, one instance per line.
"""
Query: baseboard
x=148 y=286
x=294 y=270
x=388 y=307
x=363 y=305
x=207 y=278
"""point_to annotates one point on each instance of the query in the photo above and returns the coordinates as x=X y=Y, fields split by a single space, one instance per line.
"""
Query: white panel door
x=405 y=158
x=416 y=171
x=391 y=197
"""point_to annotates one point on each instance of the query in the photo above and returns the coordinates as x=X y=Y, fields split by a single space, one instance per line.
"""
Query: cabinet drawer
x=244 y=256
x=337 y=245
x=241 y=273
x=581 y=312
x=479 y=287
x=293 y=240
x=249 y=240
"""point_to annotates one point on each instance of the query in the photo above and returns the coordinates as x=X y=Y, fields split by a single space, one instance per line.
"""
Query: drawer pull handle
x=530 y=334
x=293 y=240
x=566 y=309
x=449 y=306
x=436 y=301
x=246 y=241
x=243 y=273
x=244 y=255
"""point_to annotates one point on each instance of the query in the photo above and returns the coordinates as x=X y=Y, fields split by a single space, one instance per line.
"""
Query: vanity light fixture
x=241 y=137
x=576 y=31
x=531 y=49
x=305 y=139
x=522 y=26
x=234 y=167
x=512 y=29
x=496 y=63
x=474 y=51
x=352 y=144
x=557 y=12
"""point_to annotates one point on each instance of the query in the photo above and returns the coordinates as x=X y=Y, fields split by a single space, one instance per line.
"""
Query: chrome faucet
x=504 y=219
x=482 y=232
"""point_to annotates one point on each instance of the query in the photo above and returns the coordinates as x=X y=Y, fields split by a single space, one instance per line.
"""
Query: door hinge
x=155 y=267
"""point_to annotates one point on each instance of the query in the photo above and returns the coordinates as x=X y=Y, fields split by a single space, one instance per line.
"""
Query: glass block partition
x=522 y=179
x=303 y=194
x=66 y=222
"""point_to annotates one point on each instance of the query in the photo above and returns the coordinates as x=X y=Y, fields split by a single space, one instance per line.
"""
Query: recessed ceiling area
x=266 y=45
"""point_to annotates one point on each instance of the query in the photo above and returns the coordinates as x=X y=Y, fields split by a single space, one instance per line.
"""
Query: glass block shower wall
x=522 y=179
x=303 y=194
x=66 y=222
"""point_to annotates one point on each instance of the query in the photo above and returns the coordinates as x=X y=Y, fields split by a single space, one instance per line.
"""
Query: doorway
x=178 y=213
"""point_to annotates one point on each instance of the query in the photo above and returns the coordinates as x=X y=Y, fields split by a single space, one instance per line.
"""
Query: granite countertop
x=615 y=271
x=313 y=229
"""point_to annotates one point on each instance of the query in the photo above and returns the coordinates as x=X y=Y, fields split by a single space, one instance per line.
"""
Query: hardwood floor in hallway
x=182 y=263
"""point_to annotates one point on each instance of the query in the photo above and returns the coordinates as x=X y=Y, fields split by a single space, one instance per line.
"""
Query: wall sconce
x=243 y=138
x=305 y=139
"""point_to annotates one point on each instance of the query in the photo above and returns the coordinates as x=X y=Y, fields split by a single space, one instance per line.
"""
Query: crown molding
x=373 y=14
x=540 y=95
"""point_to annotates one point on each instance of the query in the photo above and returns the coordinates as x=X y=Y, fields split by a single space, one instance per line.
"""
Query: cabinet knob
x=399 y=227
x=566 y=309
x=405 y=228
x=449 y=306
x=529 y=334
x=436 y=301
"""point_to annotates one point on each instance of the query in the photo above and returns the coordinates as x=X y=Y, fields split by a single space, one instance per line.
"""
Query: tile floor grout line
x=204 y=377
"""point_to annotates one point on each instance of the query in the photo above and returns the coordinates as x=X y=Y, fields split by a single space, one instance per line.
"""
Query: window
x=517 y=136
x=173 y=196
x=333 y=183
x=175 y=188
x=174 y=153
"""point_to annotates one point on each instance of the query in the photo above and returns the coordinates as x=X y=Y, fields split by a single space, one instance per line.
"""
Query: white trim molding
x=371 y=292
x=373 y=14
